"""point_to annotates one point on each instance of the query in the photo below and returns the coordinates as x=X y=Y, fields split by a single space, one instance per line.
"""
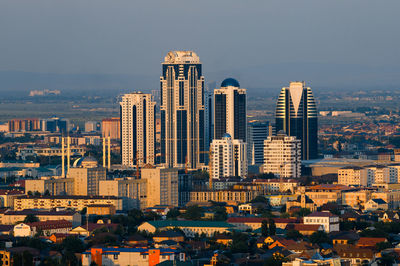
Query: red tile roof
x=370 y=241
x=51 y=224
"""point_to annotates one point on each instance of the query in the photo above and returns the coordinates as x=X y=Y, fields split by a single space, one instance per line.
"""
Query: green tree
x=30 y=218
x=302 y=212
x=23 y=259
x=73 y=244
x=271 y=227
x=383 y=245
x=193 y=212
x=264 y=228
x=293 y=234
x=319 y=237
x=173 y=214
x=220 y=213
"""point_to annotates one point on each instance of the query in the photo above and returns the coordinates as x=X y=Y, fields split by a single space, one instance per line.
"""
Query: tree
x=272 y=227
x=173 y=214
x=73 y=244
x=30 y=193
x=293 y=234
x=37 y=193
x=193 y=213
x=260 y=199
x=383 y=245
x=47 y=193
x=264 y=228
x=30 y=218
x=23 y=259
x=319 y=237
x=220 y=213
x=302 y=212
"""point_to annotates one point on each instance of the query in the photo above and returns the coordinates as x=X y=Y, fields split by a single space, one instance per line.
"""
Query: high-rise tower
x=296 y=115
x=137 y=129
x=230 y=110
x=182 y=111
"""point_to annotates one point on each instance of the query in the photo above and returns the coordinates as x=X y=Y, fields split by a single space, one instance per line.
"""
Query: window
x=115 y=256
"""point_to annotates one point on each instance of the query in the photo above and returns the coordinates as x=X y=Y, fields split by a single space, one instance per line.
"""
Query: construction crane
x=209 y=165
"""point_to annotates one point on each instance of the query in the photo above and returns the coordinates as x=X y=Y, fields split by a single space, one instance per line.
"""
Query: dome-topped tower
x=86 y=162
x=230 y=82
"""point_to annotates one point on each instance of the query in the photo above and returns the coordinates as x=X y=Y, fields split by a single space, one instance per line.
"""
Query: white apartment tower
x=229 y=157
x=230 y=110
x=182 y=111
x=282 y=156
x=137 y=129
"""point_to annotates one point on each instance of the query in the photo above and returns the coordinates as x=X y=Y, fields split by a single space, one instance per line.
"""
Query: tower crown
x=182 y=57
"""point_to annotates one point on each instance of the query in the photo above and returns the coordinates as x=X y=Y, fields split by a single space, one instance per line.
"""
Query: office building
x=138 y=129
x=257 y=132
x=282 y=156
x=296 y=115
x=182 y=111
x=229 y=157
x=230 y=110
x=209 y=117
x=86 y=175
x=56 y=124
x=162 y=186
x=110 y=127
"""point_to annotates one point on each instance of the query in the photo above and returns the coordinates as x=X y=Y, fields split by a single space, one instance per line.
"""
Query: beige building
x=110 y=127
x=324 y=193
x=161 y=187
x=73 y=202
x=356 y=199
x=190 y=228
x=392 y=197
x=276 y=185
x=353 y=176
x=7 y=197
x=12 y=217
x=230 y=196
x=381 y=174
x=132 y=191
x=55 y=185
x=86 y=175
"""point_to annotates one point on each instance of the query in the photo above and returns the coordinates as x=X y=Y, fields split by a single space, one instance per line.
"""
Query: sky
x=261 y=42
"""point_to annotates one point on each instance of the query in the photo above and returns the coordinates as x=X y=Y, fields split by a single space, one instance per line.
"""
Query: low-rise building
x=376 y=204
x=73 y=202
x=329 y=221
x=130 y=256
x=229 y=196
x=190 y=228
x=353 y=176
x=12 y=217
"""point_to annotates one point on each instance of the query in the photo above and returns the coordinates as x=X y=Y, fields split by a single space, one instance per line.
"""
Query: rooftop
x=171 y=223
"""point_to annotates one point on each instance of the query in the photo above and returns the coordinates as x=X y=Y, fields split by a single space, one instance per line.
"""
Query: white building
x=138 y=129
x=282 y=156
x=353 y=176
x=229 y=157
x=325 y=218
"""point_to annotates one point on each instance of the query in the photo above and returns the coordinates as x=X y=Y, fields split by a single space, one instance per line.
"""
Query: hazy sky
x=132 y=37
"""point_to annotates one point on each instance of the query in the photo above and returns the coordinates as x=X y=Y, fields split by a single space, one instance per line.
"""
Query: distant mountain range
x=323 y=76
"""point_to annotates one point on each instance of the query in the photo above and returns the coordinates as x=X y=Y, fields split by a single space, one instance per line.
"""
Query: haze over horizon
x=100 y=44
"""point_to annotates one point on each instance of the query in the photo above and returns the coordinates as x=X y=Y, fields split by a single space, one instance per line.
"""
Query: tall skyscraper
x=230 y=110
x=138 y=129
x=257 y=132
x=182 y=111
x=296 y=115
x=282 y=156
x=229 y=157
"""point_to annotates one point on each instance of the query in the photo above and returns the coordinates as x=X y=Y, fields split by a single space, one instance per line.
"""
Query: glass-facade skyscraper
x=296 y=115
x=230 y=110
x=182 y=111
